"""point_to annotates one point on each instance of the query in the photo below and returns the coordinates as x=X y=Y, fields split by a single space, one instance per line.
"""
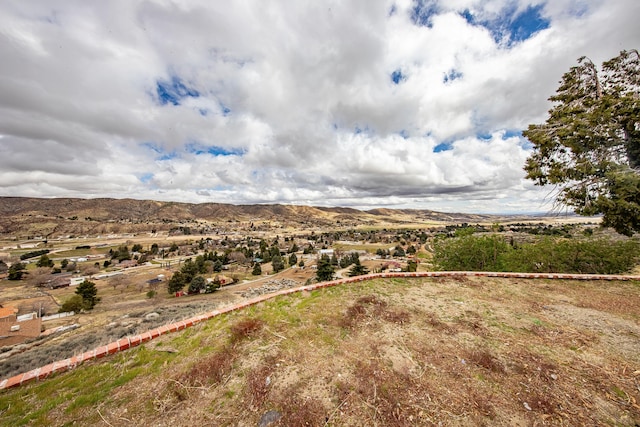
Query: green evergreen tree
x=382 y=253
x=325 y=269
x=589 y=146
x=212 y=286
x=358 y=269
x=121 y=254
x=257 y=269
x=334 y=260
x=176 y=283
x=189 y=270
x=16 y=271
x=44 y=261
x=197 y=284
x=73 y=303
x=399 y=252
x=277 y=263
x=88 y=291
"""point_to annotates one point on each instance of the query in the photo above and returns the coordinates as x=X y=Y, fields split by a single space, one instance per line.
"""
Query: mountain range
x=23 y=216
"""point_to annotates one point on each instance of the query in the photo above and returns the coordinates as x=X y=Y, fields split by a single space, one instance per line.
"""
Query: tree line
x=546 y=255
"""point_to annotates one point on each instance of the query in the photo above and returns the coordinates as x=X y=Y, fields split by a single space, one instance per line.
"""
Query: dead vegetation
x=389 y=353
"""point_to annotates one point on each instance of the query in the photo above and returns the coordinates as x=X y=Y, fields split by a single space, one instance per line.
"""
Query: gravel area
x=271 y=286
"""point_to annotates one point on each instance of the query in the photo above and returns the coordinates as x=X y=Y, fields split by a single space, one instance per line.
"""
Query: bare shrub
x=40 y=276
x=486 y=360
x=257 y=385
x=118 y=281
x=433 y=321
x=395 y=398
x=245 y=328
x=210 y=370
x=372 y=307
x=302 y=411
x=396 y=316
x=540 y=403
x=366 y=306
x=483 y=403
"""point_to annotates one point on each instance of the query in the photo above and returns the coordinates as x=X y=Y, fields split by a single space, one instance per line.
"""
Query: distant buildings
x=16 y=329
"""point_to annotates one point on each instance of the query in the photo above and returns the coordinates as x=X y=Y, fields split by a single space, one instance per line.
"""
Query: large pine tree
x=325 y=269
x=589 y=147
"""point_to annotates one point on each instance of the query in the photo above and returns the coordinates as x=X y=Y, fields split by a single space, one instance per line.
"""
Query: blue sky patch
x=220 y=151
x=397 y=77
x=213 y=150
x=466 y=14
x=168 y=156
x=507 y=133
x=510 y=26
x=174 y=91
x=423 y=11
x=452 y=75
x=163 y=155
x=443 y=146
x=146 y=177
x=224 y=109
x=528 y=23
x=510 y=133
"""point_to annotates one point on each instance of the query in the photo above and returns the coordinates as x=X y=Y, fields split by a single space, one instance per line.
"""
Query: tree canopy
x=325 y=270
x=88 y=292
x=16 y=271
x=358 y=269
x=277 y=263
x=589 y=147
x=44 y=261
x=257 y=270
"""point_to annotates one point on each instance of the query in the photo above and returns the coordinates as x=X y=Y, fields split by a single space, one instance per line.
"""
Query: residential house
x=16 y=329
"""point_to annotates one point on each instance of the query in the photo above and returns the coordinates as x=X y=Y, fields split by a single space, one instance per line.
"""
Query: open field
x=122 y=311
x=480 y=351
x=450 y=351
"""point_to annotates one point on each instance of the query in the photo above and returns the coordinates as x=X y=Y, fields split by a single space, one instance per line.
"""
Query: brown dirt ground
x=120 y=312
x=395 y=352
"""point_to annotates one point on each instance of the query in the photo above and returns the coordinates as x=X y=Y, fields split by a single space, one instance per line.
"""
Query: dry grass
x=368 y=308
x=391 y=353
x=245 y=329
x=212 y=369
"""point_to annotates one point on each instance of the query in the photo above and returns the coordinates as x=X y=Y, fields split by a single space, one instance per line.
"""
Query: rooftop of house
x=7 y=311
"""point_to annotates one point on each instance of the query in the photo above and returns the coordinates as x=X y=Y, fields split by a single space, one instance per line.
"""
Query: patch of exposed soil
x=392 y=352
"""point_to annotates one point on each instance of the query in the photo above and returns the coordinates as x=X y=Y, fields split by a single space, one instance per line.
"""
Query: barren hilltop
x=60 y=216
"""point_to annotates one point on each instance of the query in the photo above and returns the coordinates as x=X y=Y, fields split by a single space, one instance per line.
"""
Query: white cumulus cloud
x=361 y=103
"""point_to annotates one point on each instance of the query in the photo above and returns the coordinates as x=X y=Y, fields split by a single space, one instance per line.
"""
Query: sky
x=355 y=103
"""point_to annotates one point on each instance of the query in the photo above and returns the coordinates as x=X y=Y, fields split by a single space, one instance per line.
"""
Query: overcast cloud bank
x=416 y=104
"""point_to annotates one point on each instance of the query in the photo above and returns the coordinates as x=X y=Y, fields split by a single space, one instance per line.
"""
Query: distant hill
x=59 y=216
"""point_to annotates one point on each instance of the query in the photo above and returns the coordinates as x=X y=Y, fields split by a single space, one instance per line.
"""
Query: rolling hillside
x=51 y=217
x=387 y=352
